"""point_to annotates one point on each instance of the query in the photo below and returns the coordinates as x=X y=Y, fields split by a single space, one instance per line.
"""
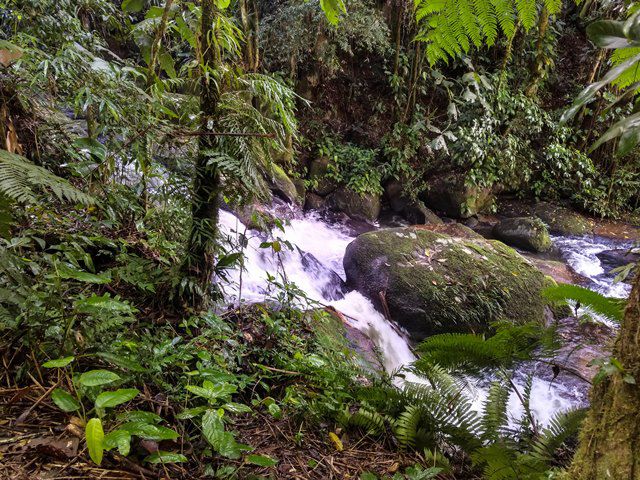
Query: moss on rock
x=528 y=233
x=430 y=282
x=561 y=220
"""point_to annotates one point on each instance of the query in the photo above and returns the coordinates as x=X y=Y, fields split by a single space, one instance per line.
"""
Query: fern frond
x=561 y=427
x=527 y=13
x=19 y=180
x=495 y=416
x=612 y=308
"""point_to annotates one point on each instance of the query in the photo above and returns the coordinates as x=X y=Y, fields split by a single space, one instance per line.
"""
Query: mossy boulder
x=430 y=282
x=321 y=183
x=561 y=220
x=527 y=233
x=450 y=195
x=282 y=185
x=359 y=206
x=415 y=211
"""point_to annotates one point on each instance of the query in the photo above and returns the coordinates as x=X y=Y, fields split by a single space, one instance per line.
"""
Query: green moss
x=453 y=284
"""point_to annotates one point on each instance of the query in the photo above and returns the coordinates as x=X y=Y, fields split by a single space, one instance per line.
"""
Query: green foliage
x=612 y=308
x=450 y=27
x=353 y=166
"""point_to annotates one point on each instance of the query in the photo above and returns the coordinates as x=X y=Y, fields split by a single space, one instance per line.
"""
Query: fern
x=562 y=426
x=450 y=27
x=611 y=308
x=19 y=180
x=495 y=414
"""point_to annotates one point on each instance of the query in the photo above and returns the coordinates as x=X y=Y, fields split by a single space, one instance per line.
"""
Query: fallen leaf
x=337 y=443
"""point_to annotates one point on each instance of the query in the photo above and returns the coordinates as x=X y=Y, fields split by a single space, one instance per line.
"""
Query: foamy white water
x=315 y=266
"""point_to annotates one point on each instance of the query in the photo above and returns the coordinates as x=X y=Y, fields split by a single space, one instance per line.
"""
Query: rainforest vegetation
x=319 y=239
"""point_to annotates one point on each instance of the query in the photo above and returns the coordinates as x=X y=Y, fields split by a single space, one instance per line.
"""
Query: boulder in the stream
x=359 y=206
x=321 y=184
x=616 y=258
x=450 y=195
x=282 y=185
x=430 y=282
x=562 y=220
x=413 y=210
x=527 y=233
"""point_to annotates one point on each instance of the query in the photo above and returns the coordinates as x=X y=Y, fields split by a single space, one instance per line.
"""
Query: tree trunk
x=610 y=438
x=538 y=66
x=202 y=245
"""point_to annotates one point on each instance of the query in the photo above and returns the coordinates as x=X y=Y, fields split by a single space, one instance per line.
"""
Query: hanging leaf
x=333 y=9
x=64 y=400
x=58 y=363
x=94 y=378
x=118 y=397
x=94 y=435
x=222 y=4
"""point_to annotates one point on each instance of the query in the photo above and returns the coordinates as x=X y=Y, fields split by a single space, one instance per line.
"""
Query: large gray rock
x=450 y=195
x=362 y=207
x=282 y=185
x=415 y=211
x=526 y=233
x=430 y=282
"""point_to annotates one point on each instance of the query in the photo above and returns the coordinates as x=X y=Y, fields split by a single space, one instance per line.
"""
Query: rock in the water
x=561 y=220
x=361 y=207
x=431 y=283
x=333 y=286
x=450 y=195
x=321 y=183
x=415 y=211
x=314 y=202
x=611 y=259
x=282 y=185
x=524 y=232
x=559 y=271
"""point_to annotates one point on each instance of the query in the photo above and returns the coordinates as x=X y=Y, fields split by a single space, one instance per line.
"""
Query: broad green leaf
x=95 y=378
x=149 y=432
x=94 y=147
x=261 y=460
x=332 y=10
x=97 y=304
x=94 y=435
x=222 y=4
x=165 y=457
x=608 y=34
x=67 y=272
x=118 y=397
x=122 y=362
x=212 y=391
x=221 y=440
x=132 y=6
x=64 y=400
x=58 y=363
x=140 y=416
x=120 y=439
x=167 y=64
x=191 y=413
x=237 y=407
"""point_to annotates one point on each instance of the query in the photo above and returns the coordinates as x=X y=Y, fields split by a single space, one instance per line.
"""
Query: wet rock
x=334 y=287
x=526 y=233
x=561 y=220
x=449 y=195
x=321 y=183
x=559 y=271
x=611 y=259
x=413 y=210
x=255 y=216
x=430 y=282
x=314 y=202
x=363 y=207
x=282 y=185
x=452 y=229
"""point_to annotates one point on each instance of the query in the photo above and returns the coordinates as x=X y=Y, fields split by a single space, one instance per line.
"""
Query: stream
x=314 y=265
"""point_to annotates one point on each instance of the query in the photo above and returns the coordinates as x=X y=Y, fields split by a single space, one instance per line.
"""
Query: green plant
x=354 y=166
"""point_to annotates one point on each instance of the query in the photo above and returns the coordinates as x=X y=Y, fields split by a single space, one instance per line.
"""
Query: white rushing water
x=314 y=265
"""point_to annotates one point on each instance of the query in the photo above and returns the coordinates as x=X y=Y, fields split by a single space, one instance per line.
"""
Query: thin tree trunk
x=203 y=235
x=537 y=68
x=248 y=35
x=610 y=438
x=396 y=59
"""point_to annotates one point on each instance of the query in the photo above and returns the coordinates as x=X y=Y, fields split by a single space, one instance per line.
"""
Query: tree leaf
x=261 y=460
x=94 y=435
x=608 y=34
x=122 y=362
x=112 y=399
x=150 y=432
x=165 y=457
x=58 y=363
x=64 y=400
x=132 y=6
x=221 y=440
x=94 y=378
x=212 y=391
x=69 y=273
x=120 y=439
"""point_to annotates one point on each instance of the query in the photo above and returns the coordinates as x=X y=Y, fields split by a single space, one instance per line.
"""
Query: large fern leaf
x=612 y=308
x=20 y=179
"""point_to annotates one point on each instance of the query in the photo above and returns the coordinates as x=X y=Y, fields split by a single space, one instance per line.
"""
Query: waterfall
x=311 y=255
